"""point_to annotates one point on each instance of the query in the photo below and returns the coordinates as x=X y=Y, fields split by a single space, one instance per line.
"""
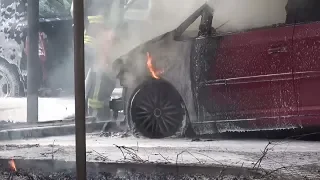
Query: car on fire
x=258 y=79
x=55 y=42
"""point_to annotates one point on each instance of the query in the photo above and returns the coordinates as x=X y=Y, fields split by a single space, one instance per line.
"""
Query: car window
x=54 y=8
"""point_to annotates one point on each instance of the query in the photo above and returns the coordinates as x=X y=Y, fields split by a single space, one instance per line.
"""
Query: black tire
x=9 y=80
x=157 y=110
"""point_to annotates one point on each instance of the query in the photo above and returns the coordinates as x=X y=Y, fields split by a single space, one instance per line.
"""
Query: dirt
x=109 y=176
x=295 y=158
x=128 y=172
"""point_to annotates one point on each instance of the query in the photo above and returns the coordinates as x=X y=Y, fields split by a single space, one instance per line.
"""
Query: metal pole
x=33 y=61
x=79 y=78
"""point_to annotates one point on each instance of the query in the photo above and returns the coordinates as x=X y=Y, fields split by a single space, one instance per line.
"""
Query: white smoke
x=166 y=15
x=233 y=15
x=247 y=14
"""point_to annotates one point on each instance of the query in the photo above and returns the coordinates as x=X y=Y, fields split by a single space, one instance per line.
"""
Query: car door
x=306 y=45
x=257 y=69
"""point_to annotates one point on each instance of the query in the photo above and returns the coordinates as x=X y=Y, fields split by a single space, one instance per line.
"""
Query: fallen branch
x=287 y=168
x=264 y=153
x=210 y=158
x=124 y=156
x=52 y=152
x=130 y=152
x=162 y=157
x=185 y=151
x=221 y=174
x=102 y=156
x=271 y=172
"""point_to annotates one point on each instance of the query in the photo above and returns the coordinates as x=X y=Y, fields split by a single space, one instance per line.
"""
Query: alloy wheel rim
x=156 y=111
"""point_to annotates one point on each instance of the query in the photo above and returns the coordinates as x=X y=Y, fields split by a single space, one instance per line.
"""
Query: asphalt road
x=15 y=109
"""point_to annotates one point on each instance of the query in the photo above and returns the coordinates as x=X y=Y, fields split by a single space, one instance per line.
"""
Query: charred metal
x=218 y=89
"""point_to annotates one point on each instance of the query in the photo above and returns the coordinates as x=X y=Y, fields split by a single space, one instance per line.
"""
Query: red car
x=260 y=79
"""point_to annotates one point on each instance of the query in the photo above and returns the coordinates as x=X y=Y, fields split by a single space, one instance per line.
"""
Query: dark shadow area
x=49 y=169
x=305 y=134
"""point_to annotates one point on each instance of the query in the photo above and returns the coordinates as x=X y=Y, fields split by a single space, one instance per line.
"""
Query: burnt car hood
x=178 y=34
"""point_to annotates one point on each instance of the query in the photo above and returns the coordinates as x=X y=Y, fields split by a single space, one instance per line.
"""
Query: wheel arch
x=185 y=130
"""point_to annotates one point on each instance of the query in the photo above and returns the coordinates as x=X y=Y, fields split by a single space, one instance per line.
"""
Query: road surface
x=298 y=158
x=15 y=109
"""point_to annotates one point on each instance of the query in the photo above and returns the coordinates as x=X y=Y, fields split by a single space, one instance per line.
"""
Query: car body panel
x=256 y=69
x=245 y=81
x=307 y=67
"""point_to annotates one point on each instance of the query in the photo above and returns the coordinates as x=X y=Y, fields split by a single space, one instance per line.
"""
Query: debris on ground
x=116 y=134
x=121 y=174
x=299 y=159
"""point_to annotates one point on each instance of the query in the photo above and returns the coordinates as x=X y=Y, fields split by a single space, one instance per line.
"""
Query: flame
x=152 y=71
x=12 y=165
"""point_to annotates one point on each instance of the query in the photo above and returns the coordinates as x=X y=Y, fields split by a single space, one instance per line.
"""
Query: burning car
x=259 y=79
x=55 y=42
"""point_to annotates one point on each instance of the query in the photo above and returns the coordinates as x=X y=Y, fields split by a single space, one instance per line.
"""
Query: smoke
x=62 y=75
x=247 y=14
x=166 y=15
x=162 y=17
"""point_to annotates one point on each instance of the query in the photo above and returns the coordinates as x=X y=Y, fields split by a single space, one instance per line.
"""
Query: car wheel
x=9 y=81
x=157 y=110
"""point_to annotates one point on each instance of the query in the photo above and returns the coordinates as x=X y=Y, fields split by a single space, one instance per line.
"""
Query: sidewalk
x=297 y=158
x=50 y=109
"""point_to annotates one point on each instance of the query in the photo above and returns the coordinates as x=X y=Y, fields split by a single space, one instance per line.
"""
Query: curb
x=46 y=131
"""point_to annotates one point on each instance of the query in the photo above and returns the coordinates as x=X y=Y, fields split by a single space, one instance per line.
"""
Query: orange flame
x=12 y=165
x=152 y=71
